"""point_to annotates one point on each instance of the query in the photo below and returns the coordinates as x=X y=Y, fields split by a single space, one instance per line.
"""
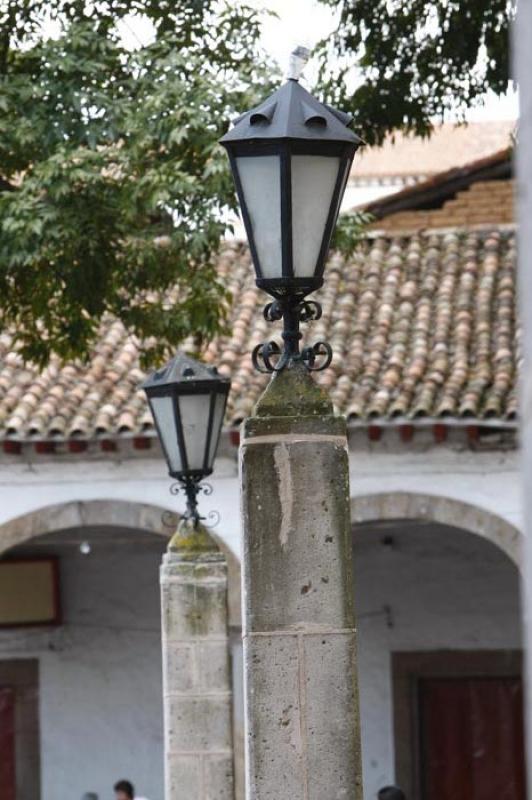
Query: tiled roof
x=421 y=326
x=433 y=192
x=484 y=202
x=449 y=146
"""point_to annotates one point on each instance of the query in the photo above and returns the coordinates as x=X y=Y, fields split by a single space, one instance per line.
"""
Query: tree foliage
x=414 y=60
x=114 y=193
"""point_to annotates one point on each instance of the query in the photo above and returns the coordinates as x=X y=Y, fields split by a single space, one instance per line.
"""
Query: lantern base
x=286 y=289
x=268 y=357
x=190 y=485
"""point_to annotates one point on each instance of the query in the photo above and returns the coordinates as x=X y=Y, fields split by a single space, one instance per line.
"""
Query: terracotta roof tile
x=422 y=325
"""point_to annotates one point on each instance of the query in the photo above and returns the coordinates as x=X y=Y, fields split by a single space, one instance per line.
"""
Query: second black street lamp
x=290 y=159
x=187 y=400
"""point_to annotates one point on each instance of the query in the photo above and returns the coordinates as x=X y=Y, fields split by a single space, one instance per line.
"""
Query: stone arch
x=110 y=513
x=446 y=511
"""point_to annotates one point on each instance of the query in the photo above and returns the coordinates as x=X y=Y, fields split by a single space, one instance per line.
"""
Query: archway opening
x=438 y=622
x=95 y=693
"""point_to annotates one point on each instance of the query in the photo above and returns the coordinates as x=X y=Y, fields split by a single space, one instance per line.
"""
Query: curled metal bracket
x=316 y=351
x=310 y=310
x=199 y=488
x=268 y=357
x=191 y=488
x=213 y=518
x=263 y=353
x=306 y=310
x=273 y=312
x=316 y=357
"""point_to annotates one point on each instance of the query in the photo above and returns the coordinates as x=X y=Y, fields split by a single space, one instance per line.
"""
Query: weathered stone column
x=302 y=726
x=522 y=33
x=196 y=679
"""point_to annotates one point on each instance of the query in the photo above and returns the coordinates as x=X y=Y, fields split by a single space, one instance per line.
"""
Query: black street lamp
x=290 y=158
x=187 y=400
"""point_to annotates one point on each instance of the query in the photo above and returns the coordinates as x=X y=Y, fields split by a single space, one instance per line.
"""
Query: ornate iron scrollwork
x=191 y=488
x=268 y=357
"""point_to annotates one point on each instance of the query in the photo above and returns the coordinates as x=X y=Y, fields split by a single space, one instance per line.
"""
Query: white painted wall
x=100 y=698
x=489 y=480
x=446 y=590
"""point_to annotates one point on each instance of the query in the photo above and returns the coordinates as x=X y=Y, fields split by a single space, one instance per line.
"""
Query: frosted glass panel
x=261 y=183
x=219 y=409
x=194 y=412
x=163 y=412
x=313 y=182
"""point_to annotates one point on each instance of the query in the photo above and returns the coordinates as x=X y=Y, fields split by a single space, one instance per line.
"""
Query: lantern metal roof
x=292 y=113
x=183 y=370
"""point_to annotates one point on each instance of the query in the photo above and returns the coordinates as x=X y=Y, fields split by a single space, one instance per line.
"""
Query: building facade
x=423 y=325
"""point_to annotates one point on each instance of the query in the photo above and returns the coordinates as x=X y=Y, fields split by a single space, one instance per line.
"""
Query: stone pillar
x=302 y=725
x=522 y=33
x=196 y=679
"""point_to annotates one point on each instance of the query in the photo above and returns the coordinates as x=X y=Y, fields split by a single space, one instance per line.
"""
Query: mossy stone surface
x=323 y=425
x=293 y=392
x=194 y=543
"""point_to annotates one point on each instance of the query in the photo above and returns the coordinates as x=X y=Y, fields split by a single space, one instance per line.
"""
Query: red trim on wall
x=406 y=432
x=439 y=432
x=108 y=446
x=374 y=433
x=141 y=443
x=44 y=448
x=12 y=448
x=472 y=433
x=77 y=445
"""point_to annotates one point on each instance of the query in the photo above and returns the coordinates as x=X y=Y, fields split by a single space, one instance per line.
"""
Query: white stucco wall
x=488 y=480
x=445 y=590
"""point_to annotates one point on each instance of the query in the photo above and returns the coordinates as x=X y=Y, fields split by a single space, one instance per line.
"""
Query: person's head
x=391 y=793
x=124 y=790
x=90 y=796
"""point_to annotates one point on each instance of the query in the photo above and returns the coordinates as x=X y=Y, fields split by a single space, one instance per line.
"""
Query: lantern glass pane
x=163 y=412
x=218 y=418
x=345 y=177
x=260 y=177
x=194 y=413
x=313 y=182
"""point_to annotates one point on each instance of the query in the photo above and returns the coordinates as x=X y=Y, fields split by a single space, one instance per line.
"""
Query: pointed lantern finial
x=298 y=59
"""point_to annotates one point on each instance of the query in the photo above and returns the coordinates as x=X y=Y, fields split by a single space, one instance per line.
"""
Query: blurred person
x=124 y=790
x=391 y=793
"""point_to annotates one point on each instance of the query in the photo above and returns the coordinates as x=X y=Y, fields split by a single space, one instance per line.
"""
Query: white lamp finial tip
x=298 y=58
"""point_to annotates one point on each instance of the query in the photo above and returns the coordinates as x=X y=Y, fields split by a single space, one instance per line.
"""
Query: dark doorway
x=19 y=730
x=7 y=743
x=471 y=738
x=459 y=732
